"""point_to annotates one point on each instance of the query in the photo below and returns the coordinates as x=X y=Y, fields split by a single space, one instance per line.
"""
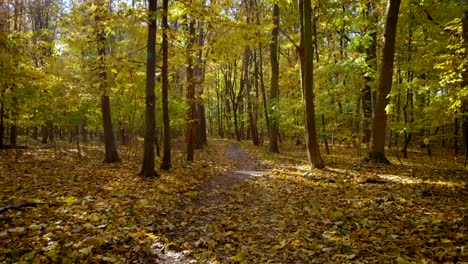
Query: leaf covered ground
x=235 y=204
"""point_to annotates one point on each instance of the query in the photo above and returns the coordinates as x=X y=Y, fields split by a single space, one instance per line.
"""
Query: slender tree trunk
x=259 y=71
x=455 y=136
x=313 y=151
x=235 y=109
x=219 y=106
x=166 y=161
x=324 y=135
x=409 y=92
x=464 y=106
x=250 y=103
x=109 y=139
x=379 y=121
x=44 y=134
x=78 y=146
x=192 y=112
x=262 y=85
x=371 y=55
x=246 y=81
x=2 y=123
x=274 y=90
x=13 y=133
x=147 y=170
x=201 y=139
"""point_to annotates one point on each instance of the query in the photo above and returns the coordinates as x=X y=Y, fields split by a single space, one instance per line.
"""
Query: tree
x=464 y=84
x=166 y=161
x=307 y=71
x=147 y=170
x=191 y=131
x=109 y=139
x=371 y=50
x=379 y=120
x=274 y=91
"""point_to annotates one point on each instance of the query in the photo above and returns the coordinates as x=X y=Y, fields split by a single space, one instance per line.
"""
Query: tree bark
x=190 y=95
x=464 y=84
x=250 y=103
x=147 y=170
x=274 y=90
x=2 y=121
x=313 y=151
x=201 y=139
x=111 y=154
x=166 y=161
x=366 y=92
x=379 y=121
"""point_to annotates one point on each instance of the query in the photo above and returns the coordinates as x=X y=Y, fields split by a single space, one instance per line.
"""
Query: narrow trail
x=206 y=209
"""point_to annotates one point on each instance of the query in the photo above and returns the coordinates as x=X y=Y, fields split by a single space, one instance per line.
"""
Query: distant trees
x=231 y=69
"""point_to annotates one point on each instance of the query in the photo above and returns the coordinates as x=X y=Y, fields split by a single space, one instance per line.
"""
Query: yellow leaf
x=86 y=250
x=70 y=200
x=240 y=256
x=402 y=260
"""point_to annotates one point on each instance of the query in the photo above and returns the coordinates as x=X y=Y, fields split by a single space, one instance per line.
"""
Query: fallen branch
x=17 y=206
x=373 y=180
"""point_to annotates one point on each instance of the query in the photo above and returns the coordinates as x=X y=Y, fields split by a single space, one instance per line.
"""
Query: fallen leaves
x=265 y=209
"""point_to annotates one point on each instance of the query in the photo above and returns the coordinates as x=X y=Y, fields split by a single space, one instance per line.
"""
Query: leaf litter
x=235 y=204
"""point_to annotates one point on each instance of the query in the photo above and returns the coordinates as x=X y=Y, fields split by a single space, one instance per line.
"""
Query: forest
x=233 y=131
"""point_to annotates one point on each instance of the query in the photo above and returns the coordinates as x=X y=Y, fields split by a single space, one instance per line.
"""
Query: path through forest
x=207 y=208
x=338 y=215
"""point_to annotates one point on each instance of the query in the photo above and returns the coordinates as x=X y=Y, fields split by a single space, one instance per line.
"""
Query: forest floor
x=236 y=204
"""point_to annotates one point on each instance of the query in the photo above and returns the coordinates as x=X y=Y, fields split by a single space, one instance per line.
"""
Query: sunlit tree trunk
x=274 y=90
x=313 y=151
x=379 y=120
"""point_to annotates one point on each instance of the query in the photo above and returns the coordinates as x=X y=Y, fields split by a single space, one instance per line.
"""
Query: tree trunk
x=166 y=161
x=201 y=138
x=109 y=139
x=147 y=170
x=455 y=136
x=379 y=121
x=2 y=123
x=324 y=135
x=192 y=112
x=464 y=106
x=250 y=103
x=371 y=55
x=44 y=134
x=13 y=134
x=313 y=151
x=274 y=90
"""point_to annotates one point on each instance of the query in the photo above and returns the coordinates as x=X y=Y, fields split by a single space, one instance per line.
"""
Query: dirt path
x=206 y=209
